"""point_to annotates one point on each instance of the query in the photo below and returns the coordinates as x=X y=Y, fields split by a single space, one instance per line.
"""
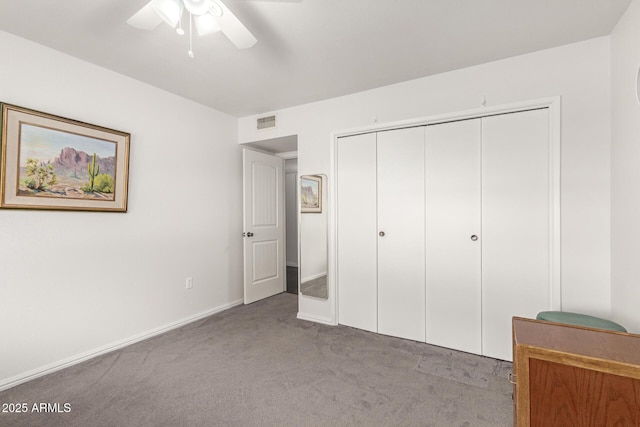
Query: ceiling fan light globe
x=197 y=7
x=169 y=10
x=206 y=24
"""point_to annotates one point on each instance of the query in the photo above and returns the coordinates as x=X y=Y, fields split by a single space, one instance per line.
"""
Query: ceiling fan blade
x=235 y=31
x=146 y=18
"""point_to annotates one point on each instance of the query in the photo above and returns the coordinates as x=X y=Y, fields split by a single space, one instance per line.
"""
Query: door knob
x=381 y=234
x=474 y=237
x=249 y=234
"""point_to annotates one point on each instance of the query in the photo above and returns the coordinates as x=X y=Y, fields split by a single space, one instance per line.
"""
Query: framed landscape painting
x=311 y=194
x=50 y=162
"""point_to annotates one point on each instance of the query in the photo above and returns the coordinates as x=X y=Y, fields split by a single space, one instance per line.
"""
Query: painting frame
x=32 y=177
x=314 y=185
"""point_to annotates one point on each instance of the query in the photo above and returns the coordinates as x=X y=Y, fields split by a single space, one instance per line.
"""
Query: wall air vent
x=267 y=122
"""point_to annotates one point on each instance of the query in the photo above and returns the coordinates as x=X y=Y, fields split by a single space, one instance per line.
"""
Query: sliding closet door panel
x=516 y=216
x=357 y=234
x=401 y=257
x=453 y=292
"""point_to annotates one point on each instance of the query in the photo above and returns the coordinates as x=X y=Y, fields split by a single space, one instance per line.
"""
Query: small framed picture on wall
x=311 y=194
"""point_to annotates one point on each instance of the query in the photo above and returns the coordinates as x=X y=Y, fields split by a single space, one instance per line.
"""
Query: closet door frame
x=553 y=104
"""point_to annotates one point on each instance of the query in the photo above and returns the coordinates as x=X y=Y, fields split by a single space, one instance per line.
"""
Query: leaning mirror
x=313 y=236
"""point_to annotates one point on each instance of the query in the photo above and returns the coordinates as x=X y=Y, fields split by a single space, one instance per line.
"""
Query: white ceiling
x=309 y=50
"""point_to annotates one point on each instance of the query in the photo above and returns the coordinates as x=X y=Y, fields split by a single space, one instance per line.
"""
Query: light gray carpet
x=258 y=365
x=315 y=288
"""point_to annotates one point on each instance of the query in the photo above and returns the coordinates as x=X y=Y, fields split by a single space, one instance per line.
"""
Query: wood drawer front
x=564 y=395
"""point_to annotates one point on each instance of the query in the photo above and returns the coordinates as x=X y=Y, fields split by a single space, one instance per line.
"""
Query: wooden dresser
x=574 y=376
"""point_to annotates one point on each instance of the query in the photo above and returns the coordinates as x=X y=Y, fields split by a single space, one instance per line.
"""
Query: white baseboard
x=323 y=320
x=315 y=276
x=79 y=358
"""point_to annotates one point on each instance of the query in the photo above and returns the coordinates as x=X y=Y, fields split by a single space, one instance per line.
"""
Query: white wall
x=290 y=199
x=579 y=73
x=73 y=283
x=625 y=185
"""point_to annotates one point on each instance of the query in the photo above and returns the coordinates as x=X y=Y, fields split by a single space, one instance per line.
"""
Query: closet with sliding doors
x=444 y=231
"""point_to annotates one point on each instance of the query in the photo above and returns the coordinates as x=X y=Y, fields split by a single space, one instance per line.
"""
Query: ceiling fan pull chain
x=190 y=35
x=179 y=30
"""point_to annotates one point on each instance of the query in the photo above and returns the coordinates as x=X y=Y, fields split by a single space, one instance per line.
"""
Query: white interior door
x=357 y=233
x=401 y=244
x=453 y=290
x=263 y=225
x=516 y=224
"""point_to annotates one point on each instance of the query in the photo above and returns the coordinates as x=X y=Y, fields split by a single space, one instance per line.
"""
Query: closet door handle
x=474 y=237
x=381 y=234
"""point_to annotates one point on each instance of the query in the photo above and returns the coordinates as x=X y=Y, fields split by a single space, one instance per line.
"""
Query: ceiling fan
x=208 y=16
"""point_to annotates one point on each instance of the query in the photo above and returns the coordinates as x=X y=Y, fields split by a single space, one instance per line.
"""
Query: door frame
x=553 y=104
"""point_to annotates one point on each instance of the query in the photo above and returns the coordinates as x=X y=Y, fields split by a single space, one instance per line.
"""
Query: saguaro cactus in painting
x=93 y=170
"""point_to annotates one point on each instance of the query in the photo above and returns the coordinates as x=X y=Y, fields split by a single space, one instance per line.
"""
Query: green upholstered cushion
x=579 y=320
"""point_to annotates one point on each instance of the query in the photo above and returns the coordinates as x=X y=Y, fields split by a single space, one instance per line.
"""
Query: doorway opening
x=291 y=227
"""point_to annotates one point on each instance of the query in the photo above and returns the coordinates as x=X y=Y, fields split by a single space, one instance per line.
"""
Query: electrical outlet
x=189 y=283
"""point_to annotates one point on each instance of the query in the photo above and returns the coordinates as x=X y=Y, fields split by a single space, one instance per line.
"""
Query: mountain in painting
x=309 y=198
x=73 y=163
